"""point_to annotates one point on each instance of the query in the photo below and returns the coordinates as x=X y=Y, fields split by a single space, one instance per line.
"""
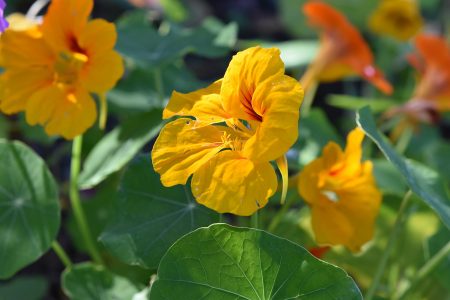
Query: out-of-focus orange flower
x=400 y=19
x=342 y=194
x=319 y=252
x=432 y=93
x=343 y=51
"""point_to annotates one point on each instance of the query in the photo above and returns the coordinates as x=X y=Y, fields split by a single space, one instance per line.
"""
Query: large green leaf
x=29 y=288
x=29 y=207
x=423 y=181
x=87 y=281
x=141 y=42
x=118 y=147
x=150 y=217
x=225 y=262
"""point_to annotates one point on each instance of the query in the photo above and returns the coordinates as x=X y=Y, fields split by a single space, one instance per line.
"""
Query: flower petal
x=229 y=183
x=97 y=37
x=204 y=104
x=246 y=71
x=64 y=22
x=41 y=105
x=102 y=72
x=182 y=148
x=18 y=85
x=23 y=49
x=278 y=101
x=73 y=115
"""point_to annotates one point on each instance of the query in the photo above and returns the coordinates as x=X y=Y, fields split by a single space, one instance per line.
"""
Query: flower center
x=68 y=67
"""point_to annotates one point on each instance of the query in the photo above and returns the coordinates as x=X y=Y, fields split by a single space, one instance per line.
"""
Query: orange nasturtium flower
x=342 y=52
x=52 y=70
x=432 y=93
x=399 y=19
x=342 y=194
x=230 y=131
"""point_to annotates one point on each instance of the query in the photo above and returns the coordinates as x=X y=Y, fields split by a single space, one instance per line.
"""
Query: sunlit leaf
x=225 y=262
x=87 y=281
x=355 y=103
x=423 y=181
x=150 y=217
x=118 y=147
x=29 y=207
x=293 y=53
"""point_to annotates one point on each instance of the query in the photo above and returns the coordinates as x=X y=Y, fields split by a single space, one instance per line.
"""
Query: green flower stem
x=279 y=216
x=389 y=247
x=75 y=201
x=254 y=220
x=426 y=269
x=403 y=141
x=310 y=94
x=62 y=255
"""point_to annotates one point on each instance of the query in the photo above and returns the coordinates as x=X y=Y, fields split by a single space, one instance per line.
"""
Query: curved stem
x=277 y=219
x=426 y=269
x=62 y=255
x=389 y=247
x=254 y=220
x=75 y=201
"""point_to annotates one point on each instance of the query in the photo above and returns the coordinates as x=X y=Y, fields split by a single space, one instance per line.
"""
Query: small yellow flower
x=342 y=194
x=52 y=70
x=399 y=19
x=241 y=123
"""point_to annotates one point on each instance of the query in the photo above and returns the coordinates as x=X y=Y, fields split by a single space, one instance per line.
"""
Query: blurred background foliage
x=184 y=45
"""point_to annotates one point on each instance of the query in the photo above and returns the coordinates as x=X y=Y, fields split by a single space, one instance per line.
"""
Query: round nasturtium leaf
x=87 y=281
x=222 y=262
x=29 y=207
x=151 y=217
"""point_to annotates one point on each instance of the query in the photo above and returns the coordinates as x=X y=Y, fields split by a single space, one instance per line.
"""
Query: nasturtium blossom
x=343 y=51
x=399 y=19
x=3 y=22
x=432 y=93
x=230 y=131
x=52 y=70
x=342 y=194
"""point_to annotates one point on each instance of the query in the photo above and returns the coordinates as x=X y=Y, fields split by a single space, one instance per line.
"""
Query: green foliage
x=355 y=103
x=150 y=217
x=434 y=244
x=118 y=147
x=87 y=281
x=29 y=288
x=139 y=41
x=29 y=207
x=225 y=262
x=315 y=131
x=423 y=181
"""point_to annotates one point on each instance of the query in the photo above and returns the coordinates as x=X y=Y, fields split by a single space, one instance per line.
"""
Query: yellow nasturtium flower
x=230 y=131
x=342 y=194
x=399 y=19
x=52 y=70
